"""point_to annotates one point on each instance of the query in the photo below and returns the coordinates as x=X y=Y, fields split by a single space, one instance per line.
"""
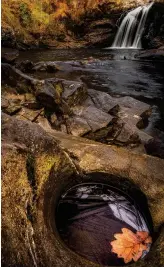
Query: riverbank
x=104 y=83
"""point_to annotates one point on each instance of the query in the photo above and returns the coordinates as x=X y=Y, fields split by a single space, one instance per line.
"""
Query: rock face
x=154 y=31
x=38 y=165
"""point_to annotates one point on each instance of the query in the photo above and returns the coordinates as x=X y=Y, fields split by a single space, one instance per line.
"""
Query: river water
x=111 y=70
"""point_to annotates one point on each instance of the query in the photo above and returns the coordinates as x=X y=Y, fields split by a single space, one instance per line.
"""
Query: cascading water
x=131 y=29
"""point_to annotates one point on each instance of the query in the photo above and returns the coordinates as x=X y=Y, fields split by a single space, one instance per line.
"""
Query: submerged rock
x=9 y=56
x=45 y=66
x=152 y=54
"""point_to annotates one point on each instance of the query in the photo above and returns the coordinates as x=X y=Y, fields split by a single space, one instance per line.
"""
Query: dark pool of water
x=88 y=217
x=113 y=71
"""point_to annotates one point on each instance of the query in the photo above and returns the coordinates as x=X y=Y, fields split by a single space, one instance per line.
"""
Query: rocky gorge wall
x=64 y=24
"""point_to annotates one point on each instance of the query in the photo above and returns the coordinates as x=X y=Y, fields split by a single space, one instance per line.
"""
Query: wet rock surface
x=16 y=79
x=152 y=54
x=9 y=56
x=70 y=107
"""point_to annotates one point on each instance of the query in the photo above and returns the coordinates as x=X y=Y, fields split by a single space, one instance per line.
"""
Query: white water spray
x=131 y=29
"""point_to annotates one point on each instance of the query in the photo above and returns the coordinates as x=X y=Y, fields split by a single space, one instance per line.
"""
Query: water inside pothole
x=103 y=224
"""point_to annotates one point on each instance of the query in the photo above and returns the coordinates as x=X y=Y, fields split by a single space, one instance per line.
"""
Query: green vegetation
x=25 y=14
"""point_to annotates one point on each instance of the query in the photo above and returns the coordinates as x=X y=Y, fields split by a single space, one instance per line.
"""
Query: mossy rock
x=37 y=166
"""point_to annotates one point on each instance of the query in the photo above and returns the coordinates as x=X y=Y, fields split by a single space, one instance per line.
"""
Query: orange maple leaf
x=130 y=246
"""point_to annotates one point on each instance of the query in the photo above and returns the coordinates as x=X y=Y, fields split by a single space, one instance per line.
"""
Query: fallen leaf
x=130 y=246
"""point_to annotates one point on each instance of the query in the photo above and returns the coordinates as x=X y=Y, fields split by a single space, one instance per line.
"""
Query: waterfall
x=131 y=29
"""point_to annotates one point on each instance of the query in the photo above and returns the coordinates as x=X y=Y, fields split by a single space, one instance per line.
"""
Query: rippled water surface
x=114 y=71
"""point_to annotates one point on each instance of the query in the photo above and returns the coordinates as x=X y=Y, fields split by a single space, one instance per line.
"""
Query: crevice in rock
x=30 y=167
x=73 y=160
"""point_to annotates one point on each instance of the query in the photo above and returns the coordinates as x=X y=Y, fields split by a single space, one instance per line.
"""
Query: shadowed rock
x=17 y=79
x=9 y=56
x=77 y=126
x=95 y=118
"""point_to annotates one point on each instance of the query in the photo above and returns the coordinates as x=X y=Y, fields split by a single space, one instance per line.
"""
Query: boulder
x=8 y=37
x=48 y=66
x=77 y=126
x=59 y=94
x=9 y=56
x=130 y=115
x=95 y=118
x=48 y=94
x=29 y=114
x=4 y=103
x=16 y=104
x=102 y=100
x=125 y=106
x=73 y=93
x=31 y=102
x=25 y=66
x=155 y=147
x=12 y=109
x=124 y=134
x=17 y=79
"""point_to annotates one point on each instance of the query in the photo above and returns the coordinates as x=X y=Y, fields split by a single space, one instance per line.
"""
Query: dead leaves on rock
x=130 y=246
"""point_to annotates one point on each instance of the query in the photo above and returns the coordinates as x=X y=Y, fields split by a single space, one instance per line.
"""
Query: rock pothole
x=38 y=166
x=103 y=223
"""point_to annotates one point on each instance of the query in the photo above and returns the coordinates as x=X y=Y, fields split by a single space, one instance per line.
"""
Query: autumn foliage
x=48 y=18
x=42 y=17
x=130 y=246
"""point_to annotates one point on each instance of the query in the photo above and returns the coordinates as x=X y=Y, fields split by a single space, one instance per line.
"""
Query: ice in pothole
x=103 y=224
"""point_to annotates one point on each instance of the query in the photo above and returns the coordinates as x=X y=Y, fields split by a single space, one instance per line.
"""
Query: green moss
x=59 y=89
x=25 y=14
x=44 y=163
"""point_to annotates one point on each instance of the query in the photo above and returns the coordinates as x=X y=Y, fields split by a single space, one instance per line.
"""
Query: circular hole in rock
x=103 y=224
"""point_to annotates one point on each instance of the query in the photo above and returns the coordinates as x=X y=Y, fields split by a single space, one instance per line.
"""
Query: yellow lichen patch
x=43 y=165
x=16 y=193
